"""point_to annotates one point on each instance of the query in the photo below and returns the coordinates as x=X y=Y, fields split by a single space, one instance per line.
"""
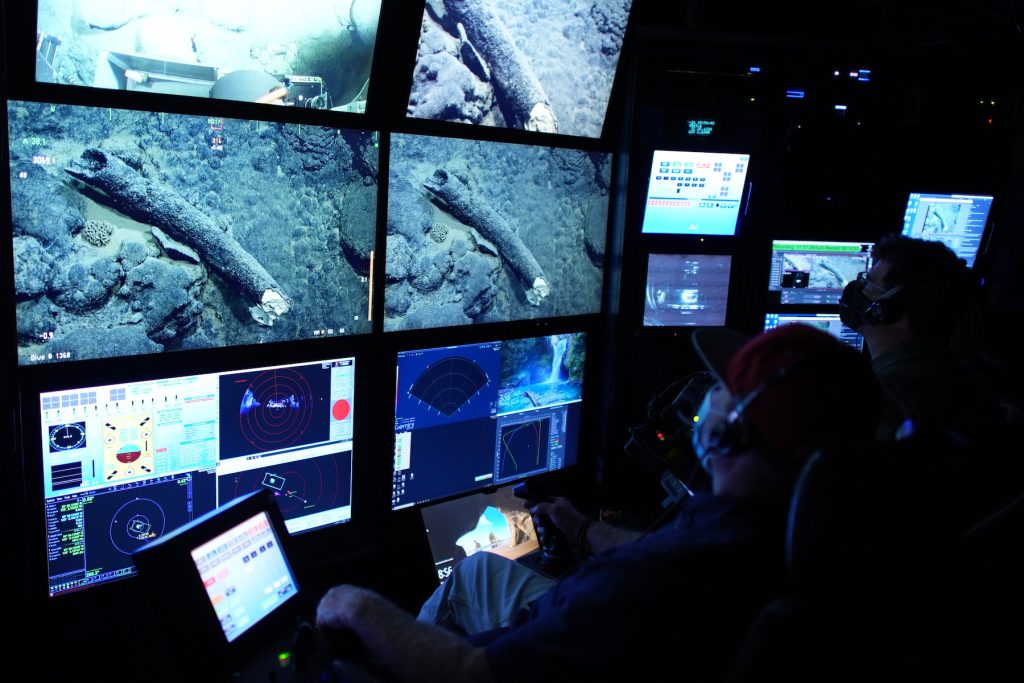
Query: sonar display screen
x=124 y=464
x=140 y=232
x=511 y=408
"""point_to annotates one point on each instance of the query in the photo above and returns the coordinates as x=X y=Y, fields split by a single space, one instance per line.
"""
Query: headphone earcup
x=887 y=308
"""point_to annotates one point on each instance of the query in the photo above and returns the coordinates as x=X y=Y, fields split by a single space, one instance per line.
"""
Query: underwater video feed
x=315 y=54
x=490 y=232
x=686 y=289
x=539 y=65
x=140 y=232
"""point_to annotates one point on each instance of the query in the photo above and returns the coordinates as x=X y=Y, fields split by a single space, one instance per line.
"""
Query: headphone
x=888 y=308
x=733 y=434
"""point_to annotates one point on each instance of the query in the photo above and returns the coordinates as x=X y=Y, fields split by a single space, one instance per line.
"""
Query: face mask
x=712 y=412
x=853 y=305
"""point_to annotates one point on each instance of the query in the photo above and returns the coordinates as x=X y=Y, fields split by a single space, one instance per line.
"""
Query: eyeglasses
x=862 y=277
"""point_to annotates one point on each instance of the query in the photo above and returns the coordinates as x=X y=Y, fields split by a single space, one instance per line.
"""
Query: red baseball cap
x=796 y=386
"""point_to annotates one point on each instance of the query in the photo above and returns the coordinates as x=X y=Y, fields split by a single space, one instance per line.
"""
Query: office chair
x=868 y=529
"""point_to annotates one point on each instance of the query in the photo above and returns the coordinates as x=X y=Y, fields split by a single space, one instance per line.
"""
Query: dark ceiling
x=867 y=23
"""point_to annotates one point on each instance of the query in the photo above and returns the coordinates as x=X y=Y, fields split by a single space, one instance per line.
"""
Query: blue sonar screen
x=477 y=415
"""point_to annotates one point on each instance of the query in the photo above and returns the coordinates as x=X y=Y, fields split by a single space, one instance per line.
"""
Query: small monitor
x=483 y=232
x=694 y=193
x=223 y=582
x=956 y=220
x=125 y=464
x=495 y=522
x=540 y=66
x=138 y=232
x=686 y=289
x=314 y=54
x=826 y=322
x=815 y=272
x=473 y=416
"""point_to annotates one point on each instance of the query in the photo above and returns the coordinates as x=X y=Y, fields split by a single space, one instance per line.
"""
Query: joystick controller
x=556 y=551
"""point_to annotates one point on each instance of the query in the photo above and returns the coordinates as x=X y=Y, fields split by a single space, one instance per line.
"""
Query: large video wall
x=225 y=224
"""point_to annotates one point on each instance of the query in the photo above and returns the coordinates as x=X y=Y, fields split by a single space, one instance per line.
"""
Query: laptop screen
x=495 y=522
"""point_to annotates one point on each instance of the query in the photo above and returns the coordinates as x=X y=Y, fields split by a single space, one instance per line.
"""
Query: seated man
x=680 y=596
x=916 y=308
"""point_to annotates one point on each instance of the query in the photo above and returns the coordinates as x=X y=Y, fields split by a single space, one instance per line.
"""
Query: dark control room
x=685 y=335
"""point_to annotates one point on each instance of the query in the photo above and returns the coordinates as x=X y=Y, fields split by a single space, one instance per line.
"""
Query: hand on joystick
x=556 y=550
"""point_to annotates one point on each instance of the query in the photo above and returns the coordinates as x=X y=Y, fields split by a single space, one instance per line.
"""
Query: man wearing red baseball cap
x=677 y=597
x=779 y=396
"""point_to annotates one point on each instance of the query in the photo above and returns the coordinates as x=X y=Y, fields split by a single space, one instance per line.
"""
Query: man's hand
x=562 y=514
x=341 y=606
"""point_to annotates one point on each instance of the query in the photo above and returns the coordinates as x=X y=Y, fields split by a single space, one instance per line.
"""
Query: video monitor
x=826 y=322
x=314 y=54
x=222 y=583
x=813 y=272
x=479 y=415
x=139 y=232
x=539 y=66
x=686 y=289
x=124 y=464
x=490 y=232
x=956 y=220
x=495 y=522
x=694 y=193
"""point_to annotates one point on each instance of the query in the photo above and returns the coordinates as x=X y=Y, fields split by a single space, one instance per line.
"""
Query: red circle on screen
x=341 y=409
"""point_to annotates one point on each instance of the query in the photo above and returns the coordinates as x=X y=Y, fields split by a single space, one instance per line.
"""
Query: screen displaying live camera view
x=694 y=193
x=686 y=289
x=811 y=272
x=314 y=54
x=826 y=322
x=535 y=65
x=477 y=415
x=490 y=232
x=495 y=522
x=127 y=463
x=140 y=232
x=956 y=220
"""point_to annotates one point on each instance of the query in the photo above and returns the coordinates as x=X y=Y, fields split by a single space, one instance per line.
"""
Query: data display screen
x=124 y=464
x=478 y=415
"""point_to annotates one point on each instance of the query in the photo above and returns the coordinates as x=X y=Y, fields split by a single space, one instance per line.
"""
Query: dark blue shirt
x=679 y=599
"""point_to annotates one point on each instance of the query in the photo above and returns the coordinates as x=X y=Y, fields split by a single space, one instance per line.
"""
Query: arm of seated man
x=414 y=650
x=598 y=536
